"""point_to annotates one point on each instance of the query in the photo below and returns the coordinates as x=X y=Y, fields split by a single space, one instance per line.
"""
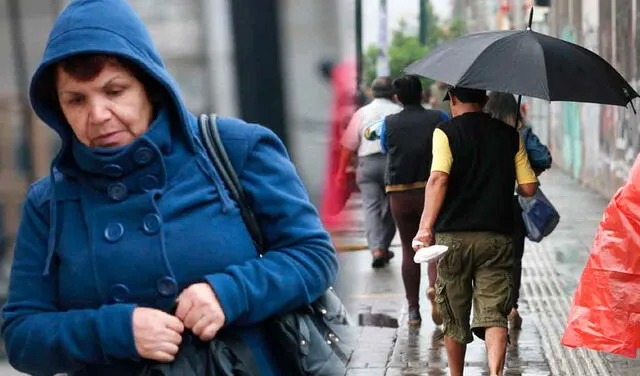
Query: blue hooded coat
x=109 y=231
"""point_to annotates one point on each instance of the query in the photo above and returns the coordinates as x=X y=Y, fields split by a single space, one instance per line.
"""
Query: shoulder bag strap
x=218 y=155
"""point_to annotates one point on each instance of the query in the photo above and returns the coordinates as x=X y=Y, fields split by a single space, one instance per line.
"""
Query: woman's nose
x=99 y=112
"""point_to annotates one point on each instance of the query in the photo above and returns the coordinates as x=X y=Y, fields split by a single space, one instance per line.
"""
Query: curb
x=350 y=247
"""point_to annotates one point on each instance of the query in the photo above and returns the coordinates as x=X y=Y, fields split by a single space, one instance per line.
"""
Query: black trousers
x=519 y=234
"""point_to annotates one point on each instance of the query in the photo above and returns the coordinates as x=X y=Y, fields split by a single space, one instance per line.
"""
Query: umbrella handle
x=518 y=111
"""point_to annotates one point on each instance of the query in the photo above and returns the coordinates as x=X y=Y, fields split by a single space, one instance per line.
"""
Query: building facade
x=598 y=144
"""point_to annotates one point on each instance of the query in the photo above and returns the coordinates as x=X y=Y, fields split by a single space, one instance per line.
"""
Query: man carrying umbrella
x=468 y=206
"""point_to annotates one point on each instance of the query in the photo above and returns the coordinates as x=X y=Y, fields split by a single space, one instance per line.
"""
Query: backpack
x=539 y=154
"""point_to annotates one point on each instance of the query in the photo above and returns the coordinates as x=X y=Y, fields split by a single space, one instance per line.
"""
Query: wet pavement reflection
x=421 y=351
x=380 y=320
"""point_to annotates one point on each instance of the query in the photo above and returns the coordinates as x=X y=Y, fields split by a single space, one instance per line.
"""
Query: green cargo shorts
x=477 y=267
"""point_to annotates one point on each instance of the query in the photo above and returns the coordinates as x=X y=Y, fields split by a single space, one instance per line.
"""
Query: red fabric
x=343 y=79
x=605 y=315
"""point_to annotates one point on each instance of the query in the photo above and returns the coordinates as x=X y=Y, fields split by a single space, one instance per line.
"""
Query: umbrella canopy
x=527 y=63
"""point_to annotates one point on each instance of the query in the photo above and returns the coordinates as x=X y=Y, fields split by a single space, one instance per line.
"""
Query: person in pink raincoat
x=334 y=196
x=605 y=315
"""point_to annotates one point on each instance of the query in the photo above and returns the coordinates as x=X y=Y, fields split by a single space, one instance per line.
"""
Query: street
x=550 y=273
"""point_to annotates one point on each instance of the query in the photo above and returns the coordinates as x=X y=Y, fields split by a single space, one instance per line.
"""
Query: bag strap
x=218 y=155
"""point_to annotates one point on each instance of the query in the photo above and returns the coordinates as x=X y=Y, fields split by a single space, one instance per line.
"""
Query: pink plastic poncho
x=605 y=315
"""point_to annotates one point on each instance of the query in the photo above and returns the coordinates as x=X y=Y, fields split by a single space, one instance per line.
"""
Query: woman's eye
x=75 y=100
x=114 y=93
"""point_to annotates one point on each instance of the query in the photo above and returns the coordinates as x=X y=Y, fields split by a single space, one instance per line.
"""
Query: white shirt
x=353 y=137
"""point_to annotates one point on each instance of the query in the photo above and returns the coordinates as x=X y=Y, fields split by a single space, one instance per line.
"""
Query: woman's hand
x=424 y=238
x=157 y=334
x=200 y=311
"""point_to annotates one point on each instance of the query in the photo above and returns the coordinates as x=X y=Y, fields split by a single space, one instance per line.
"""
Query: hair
x=382 y=88
x=502 y=106
x=408 y=88
x=85 y=67
x=426 y=94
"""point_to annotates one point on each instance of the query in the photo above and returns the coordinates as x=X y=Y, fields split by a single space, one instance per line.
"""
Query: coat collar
x=138 y=167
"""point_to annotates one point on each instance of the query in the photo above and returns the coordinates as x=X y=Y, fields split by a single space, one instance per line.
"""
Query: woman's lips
x=109 y=139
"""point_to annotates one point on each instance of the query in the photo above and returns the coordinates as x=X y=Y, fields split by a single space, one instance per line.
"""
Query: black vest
x=409 y=136
x=482 y=178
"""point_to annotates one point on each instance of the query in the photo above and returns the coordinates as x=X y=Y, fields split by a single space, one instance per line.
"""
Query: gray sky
x=397 y=10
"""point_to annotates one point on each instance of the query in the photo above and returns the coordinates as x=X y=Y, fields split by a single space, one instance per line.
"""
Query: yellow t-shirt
x=443 y=159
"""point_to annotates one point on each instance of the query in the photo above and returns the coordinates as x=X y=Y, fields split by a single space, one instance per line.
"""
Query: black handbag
x=225 y=355
x=316 y=339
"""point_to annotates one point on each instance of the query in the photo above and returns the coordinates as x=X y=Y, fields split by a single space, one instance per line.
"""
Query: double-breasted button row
x=119 y=191
x=151 y=224
x=166 y=286
x=142 y=156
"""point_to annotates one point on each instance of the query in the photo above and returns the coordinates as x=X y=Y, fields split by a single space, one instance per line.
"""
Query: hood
x=106 y=27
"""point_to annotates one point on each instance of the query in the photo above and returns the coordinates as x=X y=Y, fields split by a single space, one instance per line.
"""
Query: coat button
x=119 y=293
x=167 y=286
x=113 y=170
x=148 y=182
x=113 y=232
x=143 y=155
x=151 y=223
x=117 y=191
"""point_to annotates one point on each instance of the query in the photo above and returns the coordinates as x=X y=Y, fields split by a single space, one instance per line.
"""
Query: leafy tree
x=405 y=46
x=403 y=50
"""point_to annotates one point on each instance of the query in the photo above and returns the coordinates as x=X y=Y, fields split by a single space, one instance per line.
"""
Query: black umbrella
x=527 y=63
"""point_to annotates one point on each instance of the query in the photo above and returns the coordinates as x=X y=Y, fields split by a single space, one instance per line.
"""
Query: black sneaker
x=381 y=258
x=414 y=317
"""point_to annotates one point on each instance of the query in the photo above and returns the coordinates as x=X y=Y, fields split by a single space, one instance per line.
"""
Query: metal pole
x=423 y=21
x=358 y=44
x=258 y=58
x=22 y=80
x=383 y=41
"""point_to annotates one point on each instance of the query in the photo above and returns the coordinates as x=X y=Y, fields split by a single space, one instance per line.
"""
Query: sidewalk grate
x=544 y=294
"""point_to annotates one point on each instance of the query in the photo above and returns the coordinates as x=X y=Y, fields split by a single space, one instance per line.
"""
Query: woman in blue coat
x=133 y=238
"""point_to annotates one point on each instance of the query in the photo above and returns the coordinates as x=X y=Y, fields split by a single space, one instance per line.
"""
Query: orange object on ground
x=605 y=315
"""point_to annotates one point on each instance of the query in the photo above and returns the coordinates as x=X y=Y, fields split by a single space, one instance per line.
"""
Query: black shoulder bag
x=312 y=340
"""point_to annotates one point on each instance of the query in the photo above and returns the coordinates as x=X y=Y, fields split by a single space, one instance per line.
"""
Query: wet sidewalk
x=551 y=270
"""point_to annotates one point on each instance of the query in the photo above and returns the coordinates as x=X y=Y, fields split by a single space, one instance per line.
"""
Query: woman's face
x=110 y=110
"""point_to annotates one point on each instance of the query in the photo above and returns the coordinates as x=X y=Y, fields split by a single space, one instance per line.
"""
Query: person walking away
x=468 y=208
x=341 y=76
x=438 y=91
x=503 y=106
x=406 y=139
x=379 y=225
x=426 y=100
